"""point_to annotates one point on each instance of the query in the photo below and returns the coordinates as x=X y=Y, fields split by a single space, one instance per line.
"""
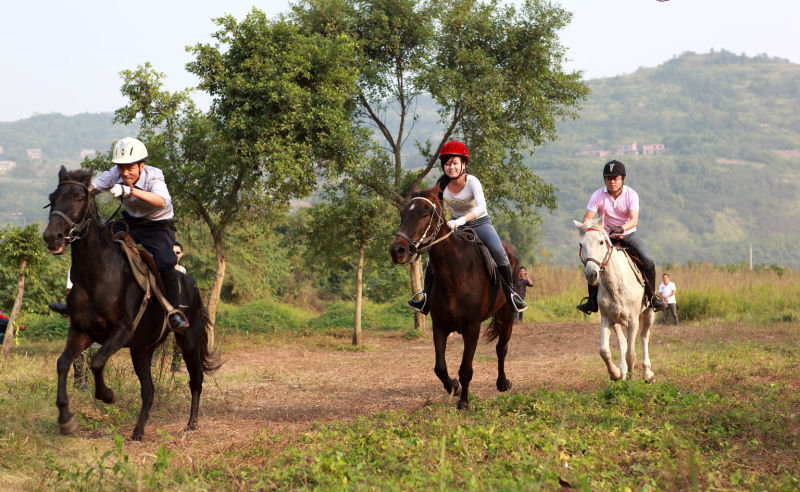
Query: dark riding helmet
x=614 y=168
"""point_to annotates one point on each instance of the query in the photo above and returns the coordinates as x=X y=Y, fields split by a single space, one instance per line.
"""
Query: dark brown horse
x=462 y=294
x=105 y=300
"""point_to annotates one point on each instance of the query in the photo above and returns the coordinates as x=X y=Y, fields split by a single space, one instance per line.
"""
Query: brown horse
x=462 y=294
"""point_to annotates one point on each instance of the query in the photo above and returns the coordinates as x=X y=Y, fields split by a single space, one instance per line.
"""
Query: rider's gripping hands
x=120 y=190
x=617 y=231
x=455 y=223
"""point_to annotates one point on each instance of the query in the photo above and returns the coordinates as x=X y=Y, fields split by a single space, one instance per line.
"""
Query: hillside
x=728 y=177
x=730 y=174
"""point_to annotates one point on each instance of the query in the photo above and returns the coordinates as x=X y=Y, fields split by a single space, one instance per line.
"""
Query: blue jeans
x=485 y=230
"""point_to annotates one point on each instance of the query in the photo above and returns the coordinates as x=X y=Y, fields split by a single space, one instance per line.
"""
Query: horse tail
x=492 y=331
x=198 y=314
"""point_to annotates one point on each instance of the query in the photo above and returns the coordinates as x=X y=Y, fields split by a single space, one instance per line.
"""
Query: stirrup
x=514 y=297
x=663 y=306
x=584 y=307
x=183 y=318
x=415 y=305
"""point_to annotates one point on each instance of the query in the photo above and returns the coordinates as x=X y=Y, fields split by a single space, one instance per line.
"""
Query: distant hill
x=728 y=177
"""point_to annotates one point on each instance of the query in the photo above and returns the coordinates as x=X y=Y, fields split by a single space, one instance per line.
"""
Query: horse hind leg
x=503 y=383
x=605 y=350
x=647 y=322
x=440 y=346
x=141 y=358
x=471 y=336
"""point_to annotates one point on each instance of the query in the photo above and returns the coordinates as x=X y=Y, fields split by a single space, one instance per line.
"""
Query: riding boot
x=508 y=285
x=656 y=302
x=59 y=307
x=589 y=304
x=421 y=305
x=172 y=288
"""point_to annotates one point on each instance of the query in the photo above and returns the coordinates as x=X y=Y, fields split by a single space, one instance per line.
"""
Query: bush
x=262 y=316
x=40 y=327
x=387 y=316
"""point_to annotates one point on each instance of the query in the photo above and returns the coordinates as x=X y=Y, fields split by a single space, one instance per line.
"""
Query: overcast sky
x=65 y=57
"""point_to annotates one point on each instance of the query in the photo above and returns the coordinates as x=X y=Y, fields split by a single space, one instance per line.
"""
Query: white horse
x=619 y=298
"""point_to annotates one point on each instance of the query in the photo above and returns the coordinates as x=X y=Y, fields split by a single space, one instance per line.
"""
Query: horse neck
x=613 y=274
x=86 y=250
x=447 y=255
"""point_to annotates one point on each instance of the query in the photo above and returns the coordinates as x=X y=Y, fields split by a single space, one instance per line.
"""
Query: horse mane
x=81 y=175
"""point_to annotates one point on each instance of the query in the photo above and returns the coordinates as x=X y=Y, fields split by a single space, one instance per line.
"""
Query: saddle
x=495 y=280
x=147 y=277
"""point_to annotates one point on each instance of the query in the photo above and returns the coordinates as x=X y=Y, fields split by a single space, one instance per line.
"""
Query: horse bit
x=416 y=248
x=609 y=250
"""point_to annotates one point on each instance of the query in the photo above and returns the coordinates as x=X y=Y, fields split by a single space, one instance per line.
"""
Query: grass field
x=299 y=409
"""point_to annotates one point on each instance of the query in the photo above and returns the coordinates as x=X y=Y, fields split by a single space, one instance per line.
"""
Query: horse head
x=595 y=248
x=71 y=208
x=420 y=222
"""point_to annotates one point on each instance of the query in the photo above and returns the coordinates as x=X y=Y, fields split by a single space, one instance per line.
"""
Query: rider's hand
x=456 y=223
x=617 y=230
x=120 y=190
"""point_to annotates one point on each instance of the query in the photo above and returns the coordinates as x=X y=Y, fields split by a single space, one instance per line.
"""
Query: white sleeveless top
x=470 y=199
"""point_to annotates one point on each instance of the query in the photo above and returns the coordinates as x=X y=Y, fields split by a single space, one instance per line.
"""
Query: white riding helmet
x=129 y=151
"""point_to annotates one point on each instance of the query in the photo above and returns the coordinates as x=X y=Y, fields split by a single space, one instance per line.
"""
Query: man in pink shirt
x=620 y=206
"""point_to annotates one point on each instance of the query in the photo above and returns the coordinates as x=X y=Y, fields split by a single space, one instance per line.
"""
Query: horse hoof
x=455 y=388
x=462 y=405
x=68 y=427
x=137 y=436
x=190 y=426
x=503 y=385
x=108 y=397
x=649 y=378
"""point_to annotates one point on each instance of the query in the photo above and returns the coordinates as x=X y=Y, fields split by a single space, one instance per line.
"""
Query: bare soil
x=287 y=386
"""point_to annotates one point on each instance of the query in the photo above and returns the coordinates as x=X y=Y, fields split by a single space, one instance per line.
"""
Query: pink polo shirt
x=617 y=212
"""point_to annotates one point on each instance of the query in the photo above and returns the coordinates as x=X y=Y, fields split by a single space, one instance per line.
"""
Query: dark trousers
x=672 y=308
x=637 y=248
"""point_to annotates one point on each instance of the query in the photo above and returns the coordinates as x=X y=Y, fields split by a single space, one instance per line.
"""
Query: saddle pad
x=634 y=266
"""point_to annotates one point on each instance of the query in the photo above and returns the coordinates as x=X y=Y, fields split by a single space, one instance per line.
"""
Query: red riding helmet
x=454 y=147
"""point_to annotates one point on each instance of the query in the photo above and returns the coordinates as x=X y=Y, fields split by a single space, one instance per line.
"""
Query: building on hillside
x=591 y=150
x=91 y=154
x=34 y=153
x=629 y=149
x=1 y=149
x=6 y=166
x=653 y=149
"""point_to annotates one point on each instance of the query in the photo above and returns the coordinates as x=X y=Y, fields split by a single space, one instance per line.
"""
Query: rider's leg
x=419 y=301
x=633 y=243
x=589 y=303
x=485 y=230
x=157 y=237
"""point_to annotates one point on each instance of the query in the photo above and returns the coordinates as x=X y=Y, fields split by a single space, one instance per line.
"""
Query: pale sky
x=65 y=57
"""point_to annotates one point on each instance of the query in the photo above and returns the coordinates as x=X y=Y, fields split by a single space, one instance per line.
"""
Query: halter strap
x=609 y=250
x=76 y=229
x=416 y=248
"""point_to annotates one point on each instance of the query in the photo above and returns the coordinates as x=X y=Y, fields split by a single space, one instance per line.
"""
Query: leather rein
x=425 y=242
x=609 y=250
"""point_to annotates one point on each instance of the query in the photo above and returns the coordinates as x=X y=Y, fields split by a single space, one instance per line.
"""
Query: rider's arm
x=149 y=197
x=633 y=222
x=588 y=215
x=480 y=199
x=106 y=180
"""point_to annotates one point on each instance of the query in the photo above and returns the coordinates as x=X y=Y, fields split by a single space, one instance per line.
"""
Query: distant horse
x=619 y=298
x=104 y=302
x=462 y=294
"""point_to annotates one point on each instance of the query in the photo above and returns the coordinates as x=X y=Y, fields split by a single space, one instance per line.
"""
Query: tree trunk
x=15 y=310
x=219 y=276
x=420 y=320
x=359 y=285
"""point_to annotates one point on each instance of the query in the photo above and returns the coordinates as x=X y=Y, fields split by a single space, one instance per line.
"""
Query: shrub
x=262 y=316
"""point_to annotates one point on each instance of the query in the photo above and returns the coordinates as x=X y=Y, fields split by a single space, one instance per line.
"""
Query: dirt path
x=288 y=386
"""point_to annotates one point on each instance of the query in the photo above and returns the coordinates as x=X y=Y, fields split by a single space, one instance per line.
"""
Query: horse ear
x=602 y=220
x=579 y=225
x=62 y=174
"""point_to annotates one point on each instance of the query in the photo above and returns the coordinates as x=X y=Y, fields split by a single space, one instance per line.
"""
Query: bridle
x=609 y=250
x=425 y=242
x=76 y=229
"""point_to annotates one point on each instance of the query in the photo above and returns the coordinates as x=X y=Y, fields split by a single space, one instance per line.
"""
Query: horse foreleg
x=647 y=323
x=194 y=366
x=141 y=358
x=605 y=350
x=630 y=355
x=440 y=346
x=465 y=370
x=117 y=340
x=503 y=383
x=76 y=343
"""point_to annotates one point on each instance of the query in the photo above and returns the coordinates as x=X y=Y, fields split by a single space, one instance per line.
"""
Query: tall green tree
x=22 y=249
x=493 y=71
x=278 y=123
x=344 y=228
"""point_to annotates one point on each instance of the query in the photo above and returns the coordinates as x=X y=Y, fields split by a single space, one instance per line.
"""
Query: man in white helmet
x=147 y=211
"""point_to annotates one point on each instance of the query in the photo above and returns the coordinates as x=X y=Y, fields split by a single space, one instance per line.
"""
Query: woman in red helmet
x=463 y=193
